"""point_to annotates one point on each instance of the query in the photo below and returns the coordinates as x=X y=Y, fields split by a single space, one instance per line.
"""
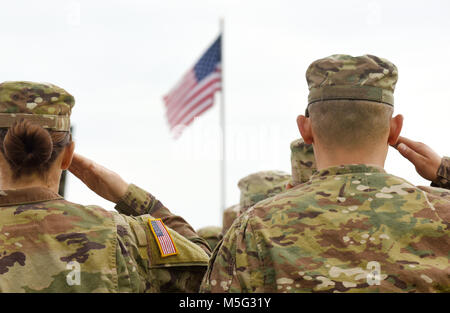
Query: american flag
x=194 y=93
x=165 y=242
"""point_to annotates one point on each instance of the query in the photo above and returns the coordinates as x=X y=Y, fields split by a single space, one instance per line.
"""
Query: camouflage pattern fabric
x=303 y=162
x=254 y=188
x=351 y=228
x=342 y=76
x=45 y=104
x=212 y=234
x=443 y=173
x=48 y=244
x=261 y=185
x=229 y=215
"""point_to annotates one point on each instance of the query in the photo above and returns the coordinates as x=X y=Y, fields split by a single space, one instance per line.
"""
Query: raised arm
x=428 y=163
x=130 y=199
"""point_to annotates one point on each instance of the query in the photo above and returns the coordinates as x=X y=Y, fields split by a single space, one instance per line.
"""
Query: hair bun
x=27 y=144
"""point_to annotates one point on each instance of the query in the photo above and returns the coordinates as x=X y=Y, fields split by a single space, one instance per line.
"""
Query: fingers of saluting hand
x=416 y=146
x=409 y=153
x=417 y=151
x=423 y=157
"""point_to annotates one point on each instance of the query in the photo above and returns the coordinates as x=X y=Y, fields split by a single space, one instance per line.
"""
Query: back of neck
x=7 y=183
x=328 y=158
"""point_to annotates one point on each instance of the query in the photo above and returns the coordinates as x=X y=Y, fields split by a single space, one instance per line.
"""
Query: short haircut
x=350 y=123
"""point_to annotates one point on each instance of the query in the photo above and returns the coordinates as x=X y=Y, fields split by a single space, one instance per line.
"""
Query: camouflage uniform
x=254 y=188
x=443 y=174
x=229 y=215
x=351 y=228
x=261 y=185
x=303 y=162
x=212 y=234
x=48 y=244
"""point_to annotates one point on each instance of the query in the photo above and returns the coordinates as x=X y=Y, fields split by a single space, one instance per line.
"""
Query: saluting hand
x=107 y=184
x=425 y=160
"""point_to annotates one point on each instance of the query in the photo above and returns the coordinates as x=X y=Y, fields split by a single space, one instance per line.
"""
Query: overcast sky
x=118 y=58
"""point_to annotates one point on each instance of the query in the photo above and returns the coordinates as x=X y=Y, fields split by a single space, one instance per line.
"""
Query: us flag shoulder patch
x=163 y=238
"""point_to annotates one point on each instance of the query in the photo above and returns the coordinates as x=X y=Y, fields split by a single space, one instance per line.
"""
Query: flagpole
x=222 y=122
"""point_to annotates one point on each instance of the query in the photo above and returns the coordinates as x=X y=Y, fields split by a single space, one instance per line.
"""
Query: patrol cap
x=209 y=231
x=261 y=185
x=303 y=162
x=212 y=234
x=42 y=103
x=343 y=77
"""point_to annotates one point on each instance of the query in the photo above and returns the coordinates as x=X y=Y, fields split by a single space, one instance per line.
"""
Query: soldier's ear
x=68 y=156
x=304 y=126
x=395 y=129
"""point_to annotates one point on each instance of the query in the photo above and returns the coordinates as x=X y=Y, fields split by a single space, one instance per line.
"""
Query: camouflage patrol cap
x=212 y=234
x=42 y=103
x=229 y=215
x=343 y=77
x=260 y=186
x=303 y=162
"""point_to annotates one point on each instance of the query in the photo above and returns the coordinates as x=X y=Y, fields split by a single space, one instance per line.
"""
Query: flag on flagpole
x=194 y=93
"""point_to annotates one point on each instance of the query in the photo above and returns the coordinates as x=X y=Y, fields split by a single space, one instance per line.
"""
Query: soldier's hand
x=425 y=160
x=107 y=184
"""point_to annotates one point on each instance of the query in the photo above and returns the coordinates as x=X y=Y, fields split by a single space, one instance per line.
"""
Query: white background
x=118 y=58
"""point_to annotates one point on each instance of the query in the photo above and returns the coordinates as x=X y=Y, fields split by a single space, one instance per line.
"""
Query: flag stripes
x=194 y=93
x=163 y=238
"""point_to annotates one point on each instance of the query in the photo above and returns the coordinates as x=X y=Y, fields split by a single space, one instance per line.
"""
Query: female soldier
x=48 y=244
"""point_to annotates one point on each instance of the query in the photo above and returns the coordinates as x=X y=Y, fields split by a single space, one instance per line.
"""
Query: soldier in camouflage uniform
x=303 y=163
x=48 y=244
x=212 y=234
x=254 y=188
x=352 y=227
x=259 y=186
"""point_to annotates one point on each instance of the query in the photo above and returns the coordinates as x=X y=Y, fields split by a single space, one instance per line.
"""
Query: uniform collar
x=348 y=169
x=27 y=195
